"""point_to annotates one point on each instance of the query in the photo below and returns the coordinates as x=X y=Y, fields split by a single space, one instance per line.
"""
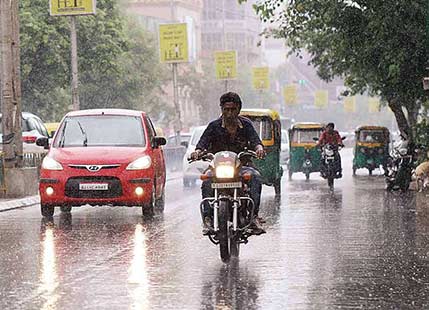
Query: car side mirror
x=184 y=143
x=343 y=138
x=43 y=141
x=158 y=141
x=316 y=139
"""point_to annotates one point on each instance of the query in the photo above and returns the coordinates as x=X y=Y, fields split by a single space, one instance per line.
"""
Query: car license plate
x=93 y=186
x=226 y=185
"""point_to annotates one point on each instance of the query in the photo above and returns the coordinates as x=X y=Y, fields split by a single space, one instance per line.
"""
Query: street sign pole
x=178 y=122
x=75 y=79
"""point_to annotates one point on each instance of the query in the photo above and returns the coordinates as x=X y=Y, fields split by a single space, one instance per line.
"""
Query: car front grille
x=114 y=187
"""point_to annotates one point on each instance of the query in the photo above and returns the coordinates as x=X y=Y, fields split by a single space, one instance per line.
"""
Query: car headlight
x=51 y=164
x=140 y=163
x=224 y=172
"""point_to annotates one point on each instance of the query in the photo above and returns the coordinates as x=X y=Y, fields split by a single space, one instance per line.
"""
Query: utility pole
x=75 y=79
x=177 y=121
x=10 y=84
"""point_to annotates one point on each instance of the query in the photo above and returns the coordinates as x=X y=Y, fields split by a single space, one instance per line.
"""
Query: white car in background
x=284 y=147
x=192 y=171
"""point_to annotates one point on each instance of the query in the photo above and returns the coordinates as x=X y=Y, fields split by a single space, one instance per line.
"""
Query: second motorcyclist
x=332 y=136
x=235 y=133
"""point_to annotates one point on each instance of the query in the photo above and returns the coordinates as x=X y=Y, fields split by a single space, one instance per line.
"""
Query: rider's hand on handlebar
x=195 y=155
x=260 y=152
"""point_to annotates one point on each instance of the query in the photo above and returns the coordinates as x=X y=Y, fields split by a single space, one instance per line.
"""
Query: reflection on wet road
x=357 y=247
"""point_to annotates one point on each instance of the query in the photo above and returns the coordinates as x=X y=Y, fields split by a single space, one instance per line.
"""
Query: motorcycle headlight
x=224 y=172
x=140 y=163
x=329 y=152
x=51 y=164
x=402 y=151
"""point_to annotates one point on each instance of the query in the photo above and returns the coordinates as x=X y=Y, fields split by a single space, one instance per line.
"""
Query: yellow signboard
x=290 y=94
x=71 y=7
x=173 y=43
x=350 y=104
x=373 y=105
x=321 y=98
x=261 y=79
x=226 y=65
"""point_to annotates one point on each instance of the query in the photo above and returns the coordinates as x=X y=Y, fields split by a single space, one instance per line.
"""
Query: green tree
x=377 y=46
x=118 y=63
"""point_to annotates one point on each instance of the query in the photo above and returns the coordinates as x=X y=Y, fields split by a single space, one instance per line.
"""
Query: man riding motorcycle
x=331 y=136
x=235 y=133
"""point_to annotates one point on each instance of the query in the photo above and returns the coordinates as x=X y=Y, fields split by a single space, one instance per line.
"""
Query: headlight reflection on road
x=49 y=277
x=138 y=271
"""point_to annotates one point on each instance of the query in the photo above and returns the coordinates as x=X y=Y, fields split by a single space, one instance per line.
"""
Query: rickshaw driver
x=232 y=132
x=332 y=136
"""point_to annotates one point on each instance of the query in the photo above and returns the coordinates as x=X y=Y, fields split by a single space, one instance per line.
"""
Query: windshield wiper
x=85 y=140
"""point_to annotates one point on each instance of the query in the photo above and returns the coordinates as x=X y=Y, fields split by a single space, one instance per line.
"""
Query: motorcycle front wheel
x=331 y=183
x=223 y=233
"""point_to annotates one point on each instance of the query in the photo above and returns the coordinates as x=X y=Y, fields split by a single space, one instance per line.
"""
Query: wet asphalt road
x=356 y=248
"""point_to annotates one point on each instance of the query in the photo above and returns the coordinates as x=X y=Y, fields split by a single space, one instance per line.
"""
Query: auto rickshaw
x=267 y=125
x=304 y=155
x=371 y=148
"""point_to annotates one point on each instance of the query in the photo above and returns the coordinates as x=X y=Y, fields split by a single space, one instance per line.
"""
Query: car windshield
x=306 y=136
x=376 y=136
x=101 y=130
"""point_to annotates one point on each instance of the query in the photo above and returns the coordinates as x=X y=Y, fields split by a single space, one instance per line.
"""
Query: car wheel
x=47 y=211
x=149 y=208
x=160 y=202
x=66 y=209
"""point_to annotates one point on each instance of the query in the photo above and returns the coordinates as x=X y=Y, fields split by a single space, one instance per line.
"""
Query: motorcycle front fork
x=235 y=207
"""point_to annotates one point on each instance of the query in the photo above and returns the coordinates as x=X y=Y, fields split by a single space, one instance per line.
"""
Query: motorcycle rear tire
x=223 y=233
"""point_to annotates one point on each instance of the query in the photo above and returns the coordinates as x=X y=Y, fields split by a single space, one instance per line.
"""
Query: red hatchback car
x=103 y=157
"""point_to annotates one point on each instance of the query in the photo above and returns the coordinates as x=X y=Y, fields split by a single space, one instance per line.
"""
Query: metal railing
x=29 y=159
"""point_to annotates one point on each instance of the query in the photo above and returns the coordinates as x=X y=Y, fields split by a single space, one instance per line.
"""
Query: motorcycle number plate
x=93 y=186
x=226 y=185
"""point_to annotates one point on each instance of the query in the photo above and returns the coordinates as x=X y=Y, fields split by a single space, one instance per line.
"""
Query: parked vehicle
x=267 y=125
x=103 y=157
x=304 y=155
x=400 y=165
x=233 y=208
x=193 y=170
x=184 y=139
x=32 y=128
x=371 y=149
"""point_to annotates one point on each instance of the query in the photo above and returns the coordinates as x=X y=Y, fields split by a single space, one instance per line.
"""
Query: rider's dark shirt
x=216 y=137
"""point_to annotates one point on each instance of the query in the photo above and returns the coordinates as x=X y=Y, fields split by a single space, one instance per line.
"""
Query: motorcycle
x=330 y=161
x=233 y=209
x=400 y=165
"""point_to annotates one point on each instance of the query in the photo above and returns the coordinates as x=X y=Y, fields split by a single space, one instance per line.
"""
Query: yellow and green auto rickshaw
x=304 y=155
x=267 y=125
x=371 y=148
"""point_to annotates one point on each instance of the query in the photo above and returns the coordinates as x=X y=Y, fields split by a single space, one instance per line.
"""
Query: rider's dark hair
x=330 y=125
x=230 y=97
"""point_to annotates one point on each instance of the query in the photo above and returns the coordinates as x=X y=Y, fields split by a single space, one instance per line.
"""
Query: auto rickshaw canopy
x=266 y=123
